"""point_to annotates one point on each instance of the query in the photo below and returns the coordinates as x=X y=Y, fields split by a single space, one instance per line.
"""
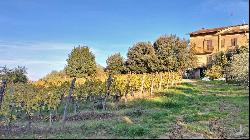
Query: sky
x=39 y=34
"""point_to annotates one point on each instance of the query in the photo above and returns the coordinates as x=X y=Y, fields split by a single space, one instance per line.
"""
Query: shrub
x=214 y=72
x=238 y=70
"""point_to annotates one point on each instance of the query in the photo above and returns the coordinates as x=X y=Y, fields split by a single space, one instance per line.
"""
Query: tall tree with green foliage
x=81 y=63
x=17 y=75
x=173 y=53
x=220 y=59
x=115 y=64
x=11 y=76
x=142 y=58
x=165 y=51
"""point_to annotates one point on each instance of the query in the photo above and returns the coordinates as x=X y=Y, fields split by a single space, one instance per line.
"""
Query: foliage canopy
x=81 y=63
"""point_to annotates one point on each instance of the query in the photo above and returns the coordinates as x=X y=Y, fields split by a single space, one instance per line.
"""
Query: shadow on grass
x=188 y=90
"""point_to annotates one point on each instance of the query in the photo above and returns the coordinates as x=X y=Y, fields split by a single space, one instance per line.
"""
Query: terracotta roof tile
x=236 y=31
x=211 y=30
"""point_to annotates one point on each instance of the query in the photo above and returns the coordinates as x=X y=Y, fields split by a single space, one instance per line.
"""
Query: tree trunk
x=104 y=103
x=75 y=107
x=128 y=87
x=126 y=94
x=104 y=106
x=11 y=101
x=50 y=118
x=126 y=97
x=109 y=82
x=68 y=100
x=142 y=85
x=29 y=122
x=56 y=111
x=132 y=92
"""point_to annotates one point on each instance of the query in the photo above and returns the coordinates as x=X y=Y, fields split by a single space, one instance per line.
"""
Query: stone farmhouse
x=207 y=42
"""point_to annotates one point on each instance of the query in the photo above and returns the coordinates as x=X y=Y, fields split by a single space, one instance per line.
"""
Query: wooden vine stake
x=142 y=84
x=152 y=86
x=68 y=100
x=160 y=83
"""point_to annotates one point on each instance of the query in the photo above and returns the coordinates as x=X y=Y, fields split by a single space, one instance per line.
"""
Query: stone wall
x=200 y=43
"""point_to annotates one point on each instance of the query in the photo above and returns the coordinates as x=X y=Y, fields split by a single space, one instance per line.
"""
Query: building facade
x=207 y=42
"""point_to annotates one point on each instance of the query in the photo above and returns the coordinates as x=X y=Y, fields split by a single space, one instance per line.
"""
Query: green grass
x=195 y=105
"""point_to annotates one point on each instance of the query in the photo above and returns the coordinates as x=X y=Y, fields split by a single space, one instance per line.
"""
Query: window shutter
x=222 y=43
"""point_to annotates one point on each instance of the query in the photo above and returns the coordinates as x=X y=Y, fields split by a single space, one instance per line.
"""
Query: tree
x=220 y=59
x=81 y=63
x=11 y=76
x=142 y=58
x=17 y=75
x=115 y=64
x=173 y=53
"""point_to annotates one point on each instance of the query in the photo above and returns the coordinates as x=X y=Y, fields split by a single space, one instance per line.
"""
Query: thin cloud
x=28 y=62
x=40 y=58
x=35 y=46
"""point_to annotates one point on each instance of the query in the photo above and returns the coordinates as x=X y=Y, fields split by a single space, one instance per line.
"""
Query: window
x=234 y=42
x=222 y=43
x=209 y=44
x=209 y=58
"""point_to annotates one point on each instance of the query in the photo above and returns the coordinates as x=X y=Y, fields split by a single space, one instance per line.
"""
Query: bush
x=214 y=72
x=238 y=70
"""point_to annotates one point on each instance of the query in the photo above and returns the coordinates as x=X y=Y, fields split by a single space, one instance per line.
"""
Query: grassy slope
x=191 y=110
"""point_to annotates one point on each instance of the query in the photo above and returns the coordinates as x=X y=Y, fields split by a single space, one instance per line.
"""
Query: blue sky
x=39 y=34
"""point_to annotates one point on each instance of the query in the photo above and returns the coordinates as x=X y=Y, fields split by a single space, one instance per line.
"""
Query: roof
x=215 y=30
x=235 y=31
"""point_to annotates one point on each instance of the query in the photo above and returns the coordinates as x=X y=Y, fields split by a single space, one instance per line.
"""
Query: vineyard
x=188 y=110
x=142 y=96
x=83 y=85
x=45 y=99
